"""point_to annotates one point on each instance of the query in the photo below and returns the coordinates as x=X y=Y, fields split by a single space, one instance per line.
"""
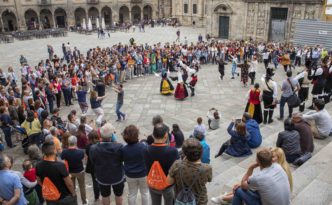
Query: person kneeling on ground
x=255 y=137
x=320 y=120
x=237 y=146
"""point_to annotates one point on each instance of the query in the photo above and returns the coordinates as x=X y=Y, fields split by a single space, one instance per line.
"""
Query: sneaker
x=232 y=77
x=124 y=117
x=219 y=200
x=87 y=203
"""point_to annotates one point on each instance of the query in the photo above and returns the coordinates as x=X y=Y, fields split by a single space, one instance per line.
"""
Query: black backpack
x=186 y=196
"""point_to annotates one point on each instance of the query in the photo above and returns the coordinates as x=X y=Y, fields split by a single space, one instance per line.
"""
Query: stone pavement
x=142 y=101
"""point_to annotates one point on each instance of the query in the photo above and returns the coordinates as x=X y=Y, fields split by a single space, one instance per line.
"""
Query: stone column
x=130 y=17
x=54 y=22
x=142 y=13
x=1 y=23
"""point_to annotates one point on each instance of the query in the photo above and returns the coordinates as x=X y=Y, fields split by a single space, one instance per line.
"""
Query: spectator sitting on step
x=278 y=157
x=213 y=119
x=200 y=127
x=289 y=141
x=237 y=145
x=320 y=120
x=206 y=148
x=306 y=136
x=255 y=137
x=269 y=185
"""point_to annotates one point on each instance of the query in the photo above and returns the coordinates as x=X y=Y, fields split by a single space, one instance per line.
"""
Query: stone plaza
x=142 y=101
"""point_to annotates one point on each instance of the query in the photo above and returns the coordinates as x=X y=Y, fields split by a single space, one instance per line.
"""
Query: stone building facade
x=242 y=19
x=36 y=14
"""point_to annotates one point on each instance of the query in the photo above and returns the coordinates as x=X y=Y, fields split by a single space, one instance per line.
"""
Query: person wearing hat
x=106 y=158
x=270 y=93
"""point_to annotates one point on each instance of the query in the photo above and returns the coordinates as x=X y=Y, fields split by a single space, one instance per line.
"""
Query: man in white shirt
x=320 y=120
x=268 y=186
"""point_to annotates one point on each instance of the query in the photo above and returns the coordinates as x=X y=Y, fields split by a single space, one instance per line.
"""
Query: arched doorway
x=93 y=14
x=80 y=14
x=9 y=21
x=222 y=15
x=60 y=18
x=46 y=18
x=106 y=13
x=147 y=12
x=136 y=14
x=31 y=19
x=123 y=14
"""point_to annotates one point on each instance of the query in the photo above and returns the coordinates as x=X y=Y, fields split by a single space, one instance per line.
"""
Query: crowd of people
x=165 y=165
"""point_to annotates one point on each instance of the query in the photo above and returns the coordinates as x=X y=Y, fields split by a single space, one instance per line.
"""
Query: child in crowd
x=29 y=171
x=200 y=127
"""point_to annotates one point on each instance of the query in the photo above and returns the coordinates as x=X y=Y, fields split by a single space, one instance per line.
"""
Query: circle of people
x=165 y=165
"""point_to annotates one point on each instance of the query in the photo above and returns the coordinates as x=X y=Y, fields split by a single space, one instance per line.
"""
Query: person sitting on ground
x=278 y=157
x=213 y=119
x=320 y=120
x=200 y=127
x=206 y=148
x=306 y=136
x=237 y=146
x=268 y=186
x=71 y=124
x=289 y=141
x=178 y=135
x=191 y=171
x=255 y=137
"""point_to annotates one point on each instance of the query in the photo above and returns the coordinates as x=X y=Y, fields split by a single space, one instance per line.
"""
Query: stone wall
x=248 y=18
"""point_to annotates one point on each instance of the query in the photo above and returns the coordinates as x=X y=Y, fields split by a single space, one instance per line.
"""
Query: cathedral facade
x=272 y=20
x=39 y=14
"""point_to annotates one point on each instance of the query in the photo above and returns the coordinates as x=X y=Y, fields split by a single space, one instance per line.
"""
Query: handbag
x=293 y=100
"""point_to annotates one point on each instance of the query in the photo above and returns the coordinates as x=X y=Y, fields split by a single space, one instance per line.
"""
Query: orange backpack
x=157 y=178
x=50 y=191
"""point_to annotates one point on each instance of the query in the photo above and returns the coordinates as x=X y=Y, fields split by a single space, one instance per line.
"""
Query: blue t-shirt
x=81 y=96
x=8 y=183
x=133 y=158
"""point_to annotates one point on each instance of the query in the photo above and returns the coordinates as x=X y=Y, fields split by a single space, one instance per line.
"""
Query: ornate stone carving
x=309 y=13
x=297 y=14
x=250 y=19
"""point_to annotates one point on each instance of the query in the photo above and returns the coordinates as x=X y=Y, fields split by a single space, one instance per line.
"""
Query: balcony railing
x=92 y=1
x=45 y=2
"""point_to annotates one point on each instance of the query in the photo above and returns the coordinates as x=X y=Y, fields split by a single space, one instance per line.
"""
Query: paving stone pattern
x=312 y=181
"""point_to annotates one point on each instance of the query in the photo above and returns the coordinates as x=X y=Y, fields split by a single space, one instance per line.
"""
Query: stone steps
x=229 y=170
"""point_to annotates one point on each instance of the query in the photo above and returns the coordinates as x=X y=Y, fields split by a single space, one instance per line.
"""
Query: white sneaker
x=219 y=200
x=87 y=203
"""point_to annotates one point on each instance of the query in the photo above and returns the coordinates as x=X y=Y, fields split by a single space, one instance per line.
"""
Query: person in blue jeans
x=119 y=103
x=267 y=186
x=288 y=88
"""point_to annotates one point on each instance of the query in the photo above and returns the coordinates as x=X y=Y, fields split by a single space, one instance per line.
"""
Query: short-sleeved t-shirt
x=189 y=171
x=74 y=158
x=56 y=172
x=8 y=183
x=286 y=87
x=272 y=185
x=120 y=97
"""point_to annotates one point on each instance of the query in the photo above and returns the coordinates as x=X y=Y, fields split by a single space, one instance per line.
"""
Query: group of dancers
x=184 y=70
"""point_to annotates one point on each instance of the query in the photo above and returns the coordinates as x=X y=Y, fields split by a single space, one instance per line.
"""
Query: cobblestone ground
x=142 y=99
